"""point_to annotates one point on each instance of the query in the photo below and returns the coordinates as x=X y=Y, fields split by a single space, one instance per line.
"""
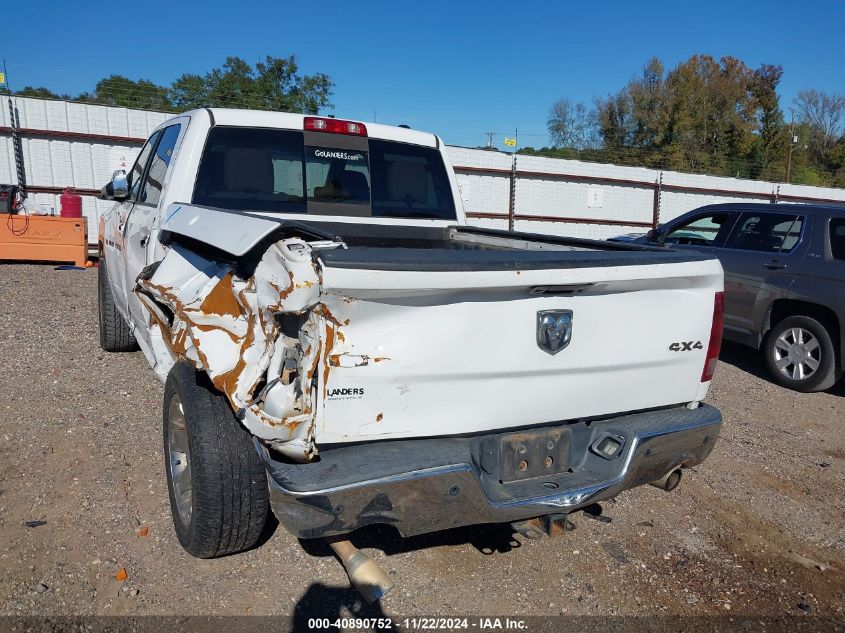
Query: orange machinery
x=48 y=238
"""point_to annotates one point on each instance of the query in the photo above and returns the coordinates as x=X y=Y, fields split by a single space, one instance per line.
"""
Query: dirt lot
x=758 y=530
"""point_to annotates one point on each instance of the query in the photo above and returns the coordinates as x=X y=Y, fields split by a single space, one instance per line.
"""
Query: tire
x=820 y=367
x=115 y=334
x=228 y=501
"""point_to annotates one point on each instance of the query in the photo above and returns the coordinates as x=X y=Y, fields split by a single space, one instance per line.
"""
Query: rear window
x=274 y=170
x=837 y=238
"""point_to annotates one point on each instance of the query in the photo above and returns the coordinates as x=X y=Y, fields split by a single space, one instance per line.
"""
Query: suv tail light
x=335 y=126
x=715 y=337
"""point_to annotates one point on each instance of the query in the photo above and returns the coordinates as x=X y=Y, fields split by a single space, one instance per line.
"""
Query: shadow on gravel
x=749 y=361
x=487 y=539
x=325 y=603
x=744 y=358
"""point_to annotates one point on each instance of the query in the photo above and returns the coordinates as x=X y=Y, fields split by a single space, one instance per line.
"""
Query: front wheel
x=115 y=333
x=800 y=355
x=216 y=480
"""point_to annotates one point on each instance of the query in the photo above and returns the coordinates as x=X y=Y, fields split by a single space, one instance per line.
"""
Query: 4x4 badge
x=554 y=330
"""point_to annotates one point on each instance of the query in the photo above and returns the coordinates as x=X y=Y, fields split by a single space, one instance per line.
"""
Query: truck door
x=761 y=258
x=115 y=227
x=139 y=222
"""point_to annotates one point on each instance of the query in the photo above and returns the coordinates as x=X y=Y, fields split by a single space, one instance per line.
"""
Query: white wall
x=88 y=164
x=58 y=162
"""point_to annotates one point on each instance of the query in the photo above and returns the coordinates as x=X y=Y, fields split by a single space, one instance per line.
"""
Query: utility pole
x=793 y=140
x=490 y=139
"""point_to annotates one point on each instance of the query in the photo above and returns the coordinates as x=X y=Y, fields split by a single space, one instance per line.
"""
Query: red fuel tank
x=71 y=204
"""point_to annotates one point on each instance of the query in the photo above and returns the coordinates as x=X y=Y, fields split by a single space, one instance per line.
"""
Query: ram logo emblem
x=554 y=330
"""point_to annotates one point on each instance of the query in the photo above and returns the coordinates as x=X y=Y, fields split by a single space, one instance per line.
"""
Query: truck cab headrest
x=407 y=181
x=248 y=170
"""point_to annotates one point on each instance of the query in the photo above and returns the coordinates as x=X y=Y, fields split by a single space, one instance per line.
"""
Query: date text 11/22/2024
x=420 y=624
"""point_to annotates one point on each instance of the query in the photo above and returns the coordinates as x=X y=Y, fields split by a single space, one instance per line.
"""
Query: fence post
x=655 y=210
x=512 y=195
x=17 y=147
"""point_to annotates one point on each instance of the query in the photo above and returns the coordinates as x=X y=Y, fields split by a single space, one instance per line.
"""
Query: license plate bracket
x=530 y=454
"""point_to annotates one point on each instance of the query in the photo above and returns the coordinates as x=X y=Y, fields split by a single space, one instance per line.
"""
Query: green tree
x=706 y=115
x=772 y=143
x=121 y=91
x=273 y=84
x=188 y=92
x=40 y=93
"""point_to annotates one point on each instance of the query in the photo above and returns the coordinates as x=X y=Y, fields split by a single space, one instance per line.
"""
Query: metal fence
x=80 y=145
x=596 y=200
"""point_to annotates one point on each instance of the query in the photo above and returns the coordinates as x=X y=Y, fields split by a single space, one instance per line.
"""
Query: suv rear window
x=274 y=170
x=837 y=238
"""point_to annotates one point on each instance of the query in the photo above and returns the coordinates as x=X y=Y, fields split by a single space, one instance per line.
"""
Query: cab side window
x=136 y=174
x=837 y=238
x=705 y=230
x=766 y=232
x=153 y=183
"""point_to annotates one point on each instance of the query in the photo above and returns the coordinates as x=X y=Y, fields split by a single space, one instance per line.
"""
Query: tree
x=708 y=115
x=274 y=84
x=121 y=91
x=616 y=123
x=711 y=113
x=188 y=92
x=40 y=93
x=570 y=125
x=823 y=114
x=772 y=143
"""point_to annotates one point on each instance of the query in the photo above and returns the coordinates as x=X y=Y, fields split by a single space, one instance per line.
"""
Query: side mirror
x=117 y=189
x=653 y=235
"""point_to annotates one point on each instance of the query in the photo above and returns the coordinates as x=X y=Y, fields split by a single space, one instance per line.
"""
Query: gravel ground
x=757 y=530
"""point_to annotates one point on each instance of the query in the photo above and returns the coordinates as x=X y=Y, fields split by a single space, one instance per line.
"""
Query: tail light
x=715 y=337
x=335 y=126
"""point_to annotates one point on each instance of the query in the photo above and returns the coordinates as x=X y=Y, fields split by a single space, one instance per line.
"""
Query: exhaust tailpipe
x=365 y=574
x=669 y=481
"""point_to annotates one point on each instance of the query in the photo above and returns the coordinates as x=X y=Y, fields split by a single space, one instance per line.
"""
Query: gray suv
x=784 y=282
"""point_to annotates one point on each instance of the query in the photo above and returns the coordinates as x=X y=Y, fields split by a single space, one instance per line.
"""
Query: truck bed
x=407 y=247
x=390 y=332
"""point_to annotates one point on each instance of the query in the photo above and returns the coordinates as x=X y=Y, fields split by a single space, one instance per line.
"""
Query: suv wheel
x=115 y=334
x=800 y=354
x=216 y=480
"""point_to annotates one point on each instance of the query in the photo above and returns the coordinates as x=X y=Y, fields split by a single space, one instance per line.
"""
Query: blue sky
x=458 y=69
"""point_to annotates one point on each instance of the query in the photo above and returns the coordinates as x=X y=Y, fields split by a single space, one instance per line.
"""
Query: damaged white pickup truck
x=338 y=345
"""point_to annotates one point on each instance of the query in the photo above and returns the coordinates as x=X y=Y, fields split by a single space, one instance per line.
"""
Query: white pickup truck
x=337 y=344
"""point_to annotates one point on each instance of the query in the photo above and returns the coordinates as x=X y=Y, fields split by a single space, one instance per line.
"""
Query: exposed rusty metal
x=365 y=574
x=655 y=208
x=226 y=327
x=512 y=195
x=82 y=136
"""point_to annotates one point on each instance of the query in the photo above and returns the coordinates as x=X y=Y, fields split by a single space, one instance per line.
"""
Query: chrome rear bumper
x=425 y=485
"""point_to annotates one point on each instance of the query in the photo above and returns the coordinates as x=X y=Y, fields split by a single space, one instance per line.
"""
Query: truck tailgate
x=437 y=353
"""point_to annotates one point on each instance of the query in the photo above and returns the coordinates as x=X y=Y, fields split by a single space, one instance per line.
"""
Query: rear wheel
x=216 y=480
x=800 y=354
x=115 y=334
